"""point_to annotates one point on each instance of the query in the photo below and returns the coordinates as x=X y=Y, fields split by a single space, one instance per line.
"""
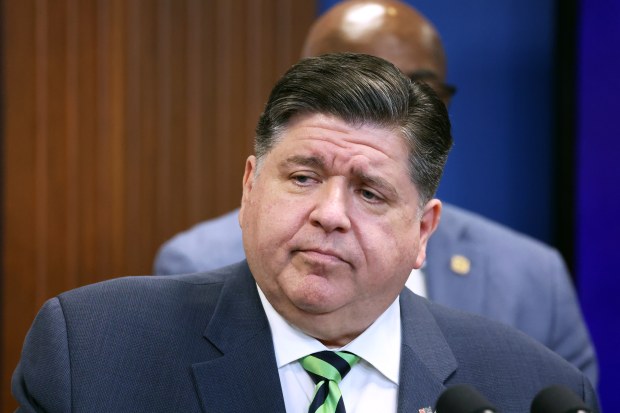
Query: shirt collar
x=378 y=345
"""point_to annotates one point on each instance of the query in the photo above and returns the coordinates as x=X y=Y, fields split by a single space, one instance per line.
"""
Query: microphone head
x=463 y=399
x=558 y=399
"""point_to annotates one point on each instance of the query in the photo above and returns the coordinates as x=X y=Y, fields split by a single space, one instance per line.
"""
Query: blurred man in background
x=472 y=264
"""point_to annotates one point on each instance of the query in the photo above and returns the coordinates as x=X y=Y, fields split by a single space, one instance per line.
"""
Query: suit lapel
x=426 y=358
x=245 y=377
x=463 y=291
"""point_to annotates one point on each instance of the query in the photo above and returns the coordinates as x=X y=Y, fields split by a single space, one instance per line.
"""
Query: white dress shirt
x=372 y=384
x=417 y=283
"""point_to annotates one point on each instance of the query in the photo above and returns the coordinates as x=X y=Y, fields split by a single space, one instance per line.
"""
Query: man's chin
x=314 y=308
x=318 y=293
x=320 y=302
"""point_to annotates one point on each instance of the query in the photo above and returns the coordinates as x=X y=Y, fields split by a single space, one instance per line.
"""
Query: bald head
x=389 y=29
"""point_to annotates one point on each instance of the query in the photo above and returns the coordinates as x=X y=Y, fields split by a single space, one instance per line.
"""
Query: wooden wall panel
x=124 y=122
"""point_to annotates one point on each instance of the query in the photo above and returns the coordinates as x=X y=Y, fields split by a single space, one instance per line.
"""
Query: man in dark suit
x=337 y=208
x=473 y=264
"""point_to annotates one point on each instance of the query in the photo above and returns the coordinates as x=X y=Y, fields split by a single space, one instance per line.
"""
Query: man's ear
x=428 y=223
x=248 y=183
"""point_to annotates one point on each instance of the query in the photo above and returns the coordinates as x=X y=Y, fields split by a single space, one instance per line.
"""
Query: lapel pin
x=460 y=264
x=425 y=410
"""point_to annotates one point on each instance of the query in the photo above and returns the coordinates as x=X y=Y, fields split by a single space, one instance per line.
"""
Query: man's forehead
x=325 y=142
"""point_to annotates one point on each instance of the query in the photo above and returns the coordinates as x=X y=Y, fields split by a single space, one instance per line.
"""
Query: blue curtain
x=598 y=171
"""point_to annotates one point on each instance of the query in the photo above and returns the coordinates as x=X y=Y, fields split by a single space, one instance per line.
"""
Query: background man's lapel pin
x=460 y=264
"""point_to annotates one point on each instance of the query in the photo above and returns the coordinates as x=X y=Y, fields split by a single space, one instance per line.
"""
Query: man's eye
x=302 y=179
x=369 y=195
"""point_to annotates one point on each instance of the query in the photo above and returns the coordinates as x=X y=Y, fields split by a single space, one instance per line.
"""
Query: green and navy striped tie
x=327 y=368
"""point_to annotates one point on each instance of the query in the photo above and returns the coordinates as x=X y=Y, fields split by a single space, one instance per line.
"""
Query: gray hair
x=363 y=90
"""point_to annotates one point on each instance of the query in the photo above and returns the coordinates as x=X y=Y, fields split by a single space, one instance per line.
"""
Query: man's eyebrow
x=317 y=162
x=299 y=160
x=377 y=182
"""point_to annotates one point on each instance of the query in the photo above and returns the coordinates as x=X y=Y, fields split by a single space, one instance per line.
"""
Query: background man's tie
x=327 y=368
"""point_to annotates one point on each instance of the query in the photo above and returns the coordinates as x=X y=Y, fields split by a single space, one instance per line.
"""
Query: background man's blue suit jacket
x=202 y=343
x=512 y=278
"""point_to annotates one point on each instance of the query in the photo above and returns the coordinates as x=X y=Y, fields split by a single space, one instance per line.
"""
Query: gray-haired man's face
x=331 y=225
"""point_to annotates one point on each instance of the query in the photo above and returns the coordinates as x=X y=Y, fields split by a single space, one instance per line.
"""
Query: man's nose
x=331 y=211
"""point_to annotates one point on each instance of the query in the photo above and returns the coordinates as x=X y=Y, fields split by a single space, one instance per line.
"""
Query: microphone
x=558 y=399
x=463 y=399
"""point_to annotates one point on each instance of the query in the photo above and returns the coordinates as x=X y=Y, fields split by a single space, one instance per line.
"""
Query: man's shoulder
x=465 y=330
x=146 y=284
x=207 y=245
x=222 y=229
x=507 y=271
x=484 y=344
x=460 y=225
x=141 y=295
x=494 y=356
x=118 y=335
x=462 y=329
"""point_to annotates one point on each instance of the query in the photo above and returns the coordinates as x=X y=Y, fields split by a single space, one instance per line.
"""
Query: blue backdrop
x=598 y=166
x=500 y=56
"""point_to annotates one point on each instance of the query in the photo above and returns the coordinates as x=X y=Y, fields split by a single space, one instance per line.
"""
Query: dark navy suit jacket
x=512 y=278
x=202 y=343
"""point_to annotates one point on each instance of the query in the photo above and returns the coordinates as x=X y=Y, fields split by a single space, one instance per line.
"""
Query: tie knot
x=329 y=365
